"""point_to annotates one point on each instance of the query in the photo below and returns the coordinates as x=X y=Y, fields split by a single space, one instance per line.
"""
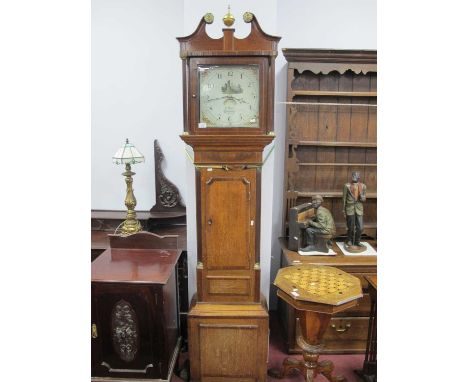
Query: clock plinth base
x=228 y=342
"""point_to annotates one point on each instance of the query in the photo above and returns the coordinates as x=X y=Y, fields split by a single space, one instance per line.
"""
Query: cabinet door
x=228 y=232
x=128 y=336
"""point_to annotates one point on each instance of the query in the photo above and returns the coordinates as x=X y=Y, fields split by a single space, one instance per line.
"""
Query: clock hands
x=239 y=100
x=227 y=97
x=214 y=99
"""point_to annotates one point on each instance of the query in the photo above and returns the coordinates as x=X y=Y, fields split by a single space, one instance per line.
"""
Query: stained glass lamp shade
x=128 y=153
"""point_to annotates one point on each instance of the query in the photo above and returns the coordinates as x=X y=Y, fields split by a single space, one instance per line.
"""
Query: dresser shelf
x=332 y=93
x=330 y=194
x=338 y=164
x=333 y=144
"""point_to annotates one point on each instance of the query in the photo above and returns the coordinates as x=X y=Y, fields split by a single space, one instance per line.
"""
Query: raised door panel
x=128 y=329
x=216 y=343
x=219 y=346
x=228 y=219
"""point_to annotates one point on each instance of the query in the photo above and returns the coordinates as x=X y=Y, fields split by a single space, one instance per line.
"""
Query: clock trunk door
x=228 y=224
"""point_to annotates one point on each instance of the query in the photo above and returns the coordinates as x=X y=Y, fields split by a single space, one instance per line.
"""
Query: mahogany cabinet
x=134 y=328
x=104 y=223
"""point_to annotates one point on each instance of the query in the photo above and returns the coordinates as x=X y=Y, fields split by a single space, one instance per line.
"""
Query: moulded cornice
x=327 y=60
x=199 y=43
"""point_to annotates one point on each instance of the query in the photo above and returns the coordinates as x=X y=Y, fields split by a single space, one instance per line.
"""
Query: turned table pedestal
x=316 y=292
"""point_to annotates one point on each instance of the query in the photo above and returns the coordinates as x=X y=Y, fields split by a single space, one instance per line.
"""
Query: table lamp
x=128 y=154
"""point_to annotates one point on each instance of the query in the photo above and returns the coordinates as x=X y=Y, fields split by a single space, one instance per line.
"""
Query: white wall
x=137 y=93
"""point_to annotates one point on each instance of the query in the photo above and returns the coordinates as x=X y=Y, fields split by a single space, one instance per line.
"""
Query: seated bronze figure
x=320 y=229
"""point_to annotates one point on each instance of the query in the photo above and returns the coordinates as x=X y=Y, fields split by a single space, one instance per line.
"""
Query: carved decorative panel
x=125 y=336
x=167 y=195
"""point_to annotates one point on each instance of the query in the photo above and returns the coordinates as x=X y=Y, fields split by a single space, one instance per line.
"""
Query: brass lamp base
x=131 y=225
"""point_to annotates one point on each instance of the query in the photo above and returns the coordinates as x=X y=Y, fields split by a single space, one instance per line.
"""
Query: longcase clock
x=228 y=120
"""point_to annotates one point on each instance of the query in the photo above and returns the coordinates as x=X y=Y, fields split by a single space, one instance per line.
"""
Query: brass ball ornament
x=228 y=18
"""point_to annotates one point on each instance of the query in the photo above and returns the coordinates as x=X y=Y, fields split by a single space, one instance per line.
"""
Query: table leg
x=310 y=328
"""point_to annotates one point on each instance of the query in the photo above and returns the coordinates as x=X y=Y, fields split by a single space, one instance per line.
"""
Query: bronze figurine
x=320 y=229
x=354 y=194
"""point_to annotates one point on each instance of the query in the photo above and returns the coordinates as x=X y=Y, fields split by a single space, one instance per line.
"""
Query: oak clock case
x=228 y=121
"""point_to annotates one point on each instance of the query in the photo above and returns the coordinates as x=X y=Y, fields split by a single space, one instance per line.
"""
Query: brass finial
x=209 y=18
x=228 y=18
x=248 y=16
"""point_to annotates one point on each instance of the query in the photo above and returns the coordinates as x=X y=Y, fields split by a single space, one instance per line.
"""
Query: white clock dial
x=229 y=96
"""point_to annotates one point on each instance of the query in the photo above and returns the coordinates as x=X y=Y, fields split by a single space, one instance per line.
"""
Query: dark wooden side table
x=134 y=328
x=369 y=368
x=316 y=293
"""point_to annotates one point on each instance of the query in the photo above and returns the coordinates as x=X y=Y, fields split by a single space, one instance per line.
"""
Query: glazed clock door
x=227 y=95
x=228 y=227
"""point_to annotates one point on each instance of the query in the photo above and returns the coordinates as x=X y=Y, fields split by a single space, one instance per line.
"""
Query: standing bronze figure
x=354 y=194
x=320 y=229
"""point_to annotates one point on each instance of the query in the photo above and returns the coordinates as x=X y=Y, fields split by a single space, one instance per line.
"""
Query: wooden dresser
x=347 y=332
x=331 y=129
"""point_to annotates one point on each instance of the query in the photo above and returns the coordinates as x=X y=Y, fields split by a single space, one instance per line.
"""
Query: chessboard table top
x=318 y=284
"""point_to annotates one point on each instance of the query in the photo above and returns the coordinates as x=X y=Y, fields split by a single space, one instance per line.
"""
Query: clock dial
x=229 y=96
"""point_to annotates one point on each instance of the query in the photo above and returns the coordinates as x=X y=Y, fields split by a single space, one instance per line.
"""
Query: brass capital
x=208 y=18
x=248 y=17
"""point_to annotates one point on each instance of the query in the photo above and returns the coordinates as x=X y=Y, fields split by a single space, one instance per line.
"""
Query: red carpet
x=344 y=364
